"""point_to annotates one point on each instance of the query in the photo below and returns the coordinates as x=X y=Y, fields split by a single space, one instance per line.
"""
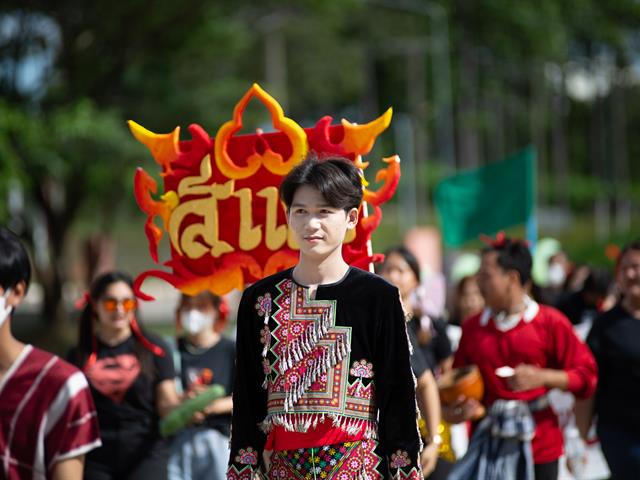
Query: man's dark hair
x=14 y=261
x=513 y=254
x=598 y=282
x=336 y=178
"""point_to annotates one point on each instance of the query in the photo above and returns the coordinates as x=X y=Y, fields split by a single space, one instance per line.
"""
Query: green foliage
x=170 y=63
x=87 y=153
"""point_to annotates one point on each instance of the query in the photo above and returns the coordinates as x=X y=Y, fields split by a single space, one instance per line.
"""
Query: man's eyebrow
x=322 y=205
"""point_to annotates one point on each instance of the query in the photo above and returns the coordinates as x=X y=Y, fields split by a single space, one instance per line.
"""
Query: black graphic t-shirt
x=124 y=391
x=206 y=367
x=614 y=342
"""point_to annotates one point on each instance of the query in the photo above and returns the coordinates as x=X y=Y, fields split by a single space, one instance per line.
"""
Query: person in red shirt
x=522 y=349
x=47 y=417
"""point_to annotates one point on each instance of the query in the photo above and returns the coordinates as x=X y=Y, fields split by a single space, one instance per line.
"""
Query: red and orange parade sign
x=220 y=205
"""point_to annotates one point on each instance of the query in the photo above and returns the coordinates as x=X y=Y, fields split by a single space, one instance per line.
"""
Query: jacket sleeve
x=249 y=397
x=574 y=357
x=395 y=392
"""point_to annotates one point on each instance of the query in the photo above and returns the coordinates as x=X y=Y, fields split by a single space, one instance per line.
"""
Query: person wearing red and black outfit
x=522 y=349
x=132 y=380
x=323 y=379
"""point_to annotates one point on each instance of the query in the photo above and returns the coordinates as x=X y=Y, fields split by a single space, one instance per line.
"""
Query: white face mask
x=5 y=310
x=556 y=275
x=194 y=321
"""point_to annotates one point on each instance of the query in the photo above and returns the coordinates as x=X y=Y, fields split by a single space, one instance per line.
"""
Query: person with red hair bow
x=522 y=349
x=132 y=380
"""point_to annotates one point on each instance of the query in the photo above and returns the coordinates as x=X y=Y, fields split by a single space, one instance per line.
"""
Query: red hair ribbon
x=83 y=301
x=223 y=315
x=223 y=310
x=501 y=240
x=153 y=348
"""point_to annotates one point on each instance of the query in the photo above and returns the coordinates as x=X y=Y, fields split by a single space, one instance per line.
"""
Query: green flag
x=487 y=200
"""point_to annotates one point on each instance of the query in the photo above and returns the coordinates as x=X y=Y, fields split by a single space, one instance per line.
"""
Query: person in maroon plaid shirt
x=47 y=416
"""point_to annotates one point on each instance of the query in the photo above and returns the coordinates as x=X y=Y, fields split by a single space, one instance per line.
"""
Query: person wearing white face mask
x=47 y=416
x=205 y=357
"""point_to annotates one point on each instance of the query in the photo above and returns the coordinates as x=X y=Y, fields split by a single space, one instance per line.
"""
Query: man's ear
x=18 y=293
x=514 y=277
x=352 y=218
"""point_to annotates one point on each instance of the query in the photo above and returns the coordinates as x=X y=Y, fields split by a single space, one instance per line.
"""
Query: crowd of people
x=331 y=366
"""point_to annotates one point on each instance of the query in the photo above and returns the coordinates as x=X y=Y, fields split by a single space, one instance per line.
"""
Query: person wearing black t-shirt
x=615 y=342
x=400 y=268
x=132 y=381
x=206 y=357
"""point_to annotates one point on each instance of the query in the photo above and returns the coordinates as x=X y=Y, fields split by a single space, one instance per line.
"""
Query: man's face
x=628 y=275
x=318 y=228
x=495 y=283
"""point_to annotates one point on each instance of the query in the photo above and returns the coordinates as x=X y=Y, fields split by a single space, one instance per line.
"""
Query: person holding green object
x=205 y=365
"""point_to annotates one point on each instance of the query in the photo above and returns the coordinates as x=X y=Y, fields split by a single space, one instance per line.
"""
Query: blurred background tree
x=470 y=82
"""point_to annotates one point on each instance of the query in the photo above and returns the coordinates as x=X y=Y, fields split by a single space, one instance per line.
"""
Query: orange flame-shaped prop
x=220 y=205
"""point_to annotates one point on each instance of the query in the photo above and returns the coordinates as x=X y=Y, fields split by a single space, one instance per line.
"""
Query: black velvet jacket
x=343 y=356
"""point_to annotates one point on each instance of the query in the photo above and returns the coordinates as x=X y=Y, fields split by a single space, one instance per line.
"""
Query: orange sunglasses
x=111 y=304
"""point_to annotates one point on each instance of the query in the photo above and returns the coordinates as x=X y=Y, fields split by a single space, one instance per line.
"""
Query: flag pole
x=532 y=221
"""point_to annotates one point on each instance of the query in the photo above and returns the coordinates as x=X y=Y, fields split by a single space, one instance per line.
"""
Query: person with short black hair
x=323 y=379
x=522 y=349
x=47 y=416
x=615 y=342
x=132 y=381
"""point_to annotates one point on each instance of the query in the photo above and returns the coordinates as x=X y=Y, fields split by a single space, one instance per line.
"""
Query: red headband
x=501 y=240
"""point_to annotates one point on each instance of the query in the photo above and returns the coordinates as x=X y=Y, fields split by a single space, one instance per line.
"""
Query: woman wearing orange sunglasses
x=131 y=375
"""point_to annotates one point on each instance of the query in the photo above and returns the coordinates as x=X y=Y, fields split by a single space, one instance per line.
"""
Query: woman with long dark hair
x=401 y=268
x=132 y=380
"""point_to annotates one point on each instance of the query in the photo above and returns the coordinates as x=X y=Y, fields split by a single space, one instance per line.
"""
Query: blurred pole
x=416 y=87
x=441 y=69
x=442 y=96
x=537 y=116
x=403 y=132
x=275 y=57
x=467 y=104
x=622 y=174
x=559 y=165
x=532 y=221
x=597 y=150
x=369 y=102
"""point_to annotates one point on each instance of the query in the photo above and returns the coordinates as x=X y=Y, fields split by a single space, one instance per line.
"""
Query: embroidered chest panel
x=306 y=363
